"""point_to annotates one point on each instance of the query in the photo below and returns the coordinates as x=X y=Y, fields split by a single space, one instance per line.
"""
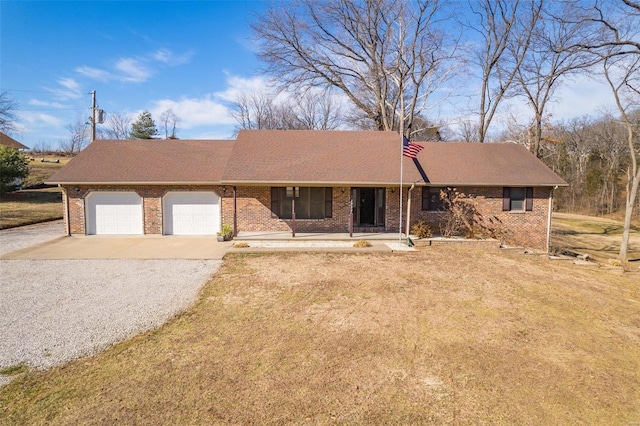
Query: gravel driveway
x=53 y=311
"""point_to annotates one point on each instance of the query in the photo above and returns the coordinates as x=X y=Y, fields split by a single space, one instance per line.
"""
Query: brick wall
x=151 y=203
x=528 y=229
x=525 y=229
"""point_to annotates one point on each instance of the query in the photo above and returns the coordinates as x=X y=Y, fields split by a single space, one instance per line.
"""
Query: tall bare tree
x=623 y=75
x=79 y=133
x=613 y=37
x=552 y=55
x=116 y=127
x=309 y=111
x=8 y=107
x=505 y=28
x=169 y=121
x=381 y=54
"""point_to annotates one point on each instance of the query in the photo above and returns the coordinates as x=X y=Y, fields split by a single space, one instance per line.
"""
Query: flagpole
x=401 y=155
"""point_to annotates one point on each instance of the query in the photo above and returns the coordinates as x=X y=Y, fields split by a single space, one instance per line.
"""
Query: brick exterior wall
x=253 y=204
x=151 y=203
x=524 y=229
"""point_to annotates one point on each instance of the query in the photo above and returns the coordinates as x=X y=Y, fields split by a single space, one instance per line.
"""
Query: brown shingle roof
x=6 y=140
x=147 y=162
x=484 y=164
x=309 y=157
x=305 y=158
x=373 y=158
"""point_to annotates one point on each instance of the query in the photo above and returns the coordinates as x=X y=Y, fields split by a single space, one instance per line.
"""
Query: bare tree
x=384 y=55
x=169 y=121
x=505 y=28
x=318 y=111
x=309 y=111
x=623 y=75
x=8 y=107
x=78 y=137
x=116 y=127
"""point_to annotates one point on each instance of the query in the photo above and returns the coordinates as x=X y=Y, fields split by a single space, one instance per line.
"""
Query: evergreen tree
x=144 y=127
x=14 y=166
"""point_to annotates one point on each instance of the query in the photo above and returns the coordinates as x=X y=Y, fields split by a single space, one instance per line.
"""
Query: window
x=310 y=202
x=517 y=199
x=431 y=200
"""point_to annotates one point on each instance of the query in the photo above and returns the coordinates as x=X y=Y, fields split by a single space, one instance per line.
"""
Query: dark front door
x=368 y=206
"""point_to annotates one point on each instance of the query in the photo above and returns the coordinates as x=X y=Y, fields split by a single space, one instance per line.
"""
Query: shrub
x=241 y=244
x=465 y=219
x=362 y=244
x=14 y=166
x=421 y=229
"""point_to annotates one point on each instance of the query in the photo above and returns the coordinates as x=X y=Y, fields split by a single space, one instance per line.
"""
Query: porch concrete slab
x=299 y=248
x=317 y=236
x=125 y=247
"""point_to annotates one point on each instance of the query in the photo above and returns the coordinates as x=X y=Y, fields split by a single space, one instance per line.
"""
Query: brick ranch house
x=194 y=186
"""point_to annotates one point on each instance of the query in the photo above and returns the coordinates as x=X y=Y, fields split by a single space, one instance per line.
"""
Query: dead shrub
x=464 y=218
x=421 y=229
x=362 y=244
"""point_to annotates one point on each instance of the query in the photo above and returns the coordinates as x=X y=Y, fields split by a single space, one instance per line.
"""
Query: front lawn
x=440 y=336
x=30 y=206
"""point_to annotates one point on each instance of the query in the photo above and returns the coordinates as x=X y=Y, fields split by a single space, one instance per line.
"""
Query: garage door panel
x=114 y=213
x=191 y=213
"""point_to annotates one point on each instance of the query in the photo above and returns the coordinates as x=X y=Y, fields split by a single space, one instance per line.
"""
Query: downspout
x=67 y=225
x=413 y=185
x=549 y=218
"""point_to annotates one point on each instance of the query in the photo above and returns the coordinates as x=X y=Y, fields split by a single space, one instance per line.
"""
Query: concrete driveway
x=125 y=247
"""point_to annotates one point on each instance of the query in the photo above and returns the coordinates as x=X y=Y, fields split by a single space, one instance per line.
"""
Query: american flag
x=410 y=149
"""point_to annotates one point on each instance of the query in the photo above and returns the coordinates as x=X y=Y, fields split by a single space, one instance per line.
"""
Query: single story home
x=8 y=141
x=275 y=180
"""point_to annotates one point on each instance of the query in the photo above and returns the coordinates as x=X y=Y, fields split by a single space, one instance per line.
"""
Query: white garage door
x=114 y=213
x=191 y=213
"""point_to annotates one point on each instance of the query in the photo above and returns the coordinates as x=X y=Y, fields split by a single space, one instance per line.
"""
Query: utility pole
x=97 y=115
x=93 y=116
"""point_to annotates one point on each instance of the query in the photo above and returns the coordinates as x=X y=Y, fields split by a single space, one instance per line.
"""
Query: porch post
x=293 y=215
x=351 y=218
x=235 y=213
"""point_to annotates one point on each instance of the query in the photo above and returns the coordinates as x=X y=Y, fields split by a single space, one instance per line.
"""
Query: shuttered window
x=431 y=200
x=310 y=202
x=517 y=199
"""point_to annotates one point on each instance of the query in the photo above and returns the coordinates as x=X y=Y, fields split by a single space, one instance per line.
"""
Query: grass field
x=36 y=203
x=439 y=336
x=598 y=237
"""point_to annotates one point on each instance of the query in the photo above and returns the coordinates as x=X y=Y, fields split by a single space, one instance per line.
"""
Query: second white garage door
x=191 y=213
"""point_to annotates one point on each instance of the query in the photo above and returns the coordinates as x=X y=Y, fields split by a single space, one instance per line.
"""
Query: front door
x=368 y=204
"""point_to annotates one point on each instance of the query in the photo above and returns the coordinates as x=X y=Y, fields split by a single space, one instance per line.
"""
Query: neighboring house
x=6 y=140
x=193 y=186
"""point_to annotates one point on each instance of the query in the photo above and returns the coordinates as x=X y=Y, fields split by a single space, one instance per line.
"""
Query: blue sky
x=192 y=57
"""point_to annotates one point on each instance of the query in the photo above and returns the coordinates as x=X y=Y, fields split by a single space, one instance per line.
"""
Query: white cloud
x=94 y=73
x=39 y=103
x=169 y=58
x=133 y=70
x=38 y=119
x=194 y=112
x=70 y=89
x=238 y=85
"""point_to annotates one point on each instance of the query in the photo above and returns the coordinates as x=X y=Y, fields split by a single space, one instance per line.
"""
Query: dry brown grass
x=30 y=206
x=441 y=336
x=37 y=203
x=40 y=171
x=596 y=236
